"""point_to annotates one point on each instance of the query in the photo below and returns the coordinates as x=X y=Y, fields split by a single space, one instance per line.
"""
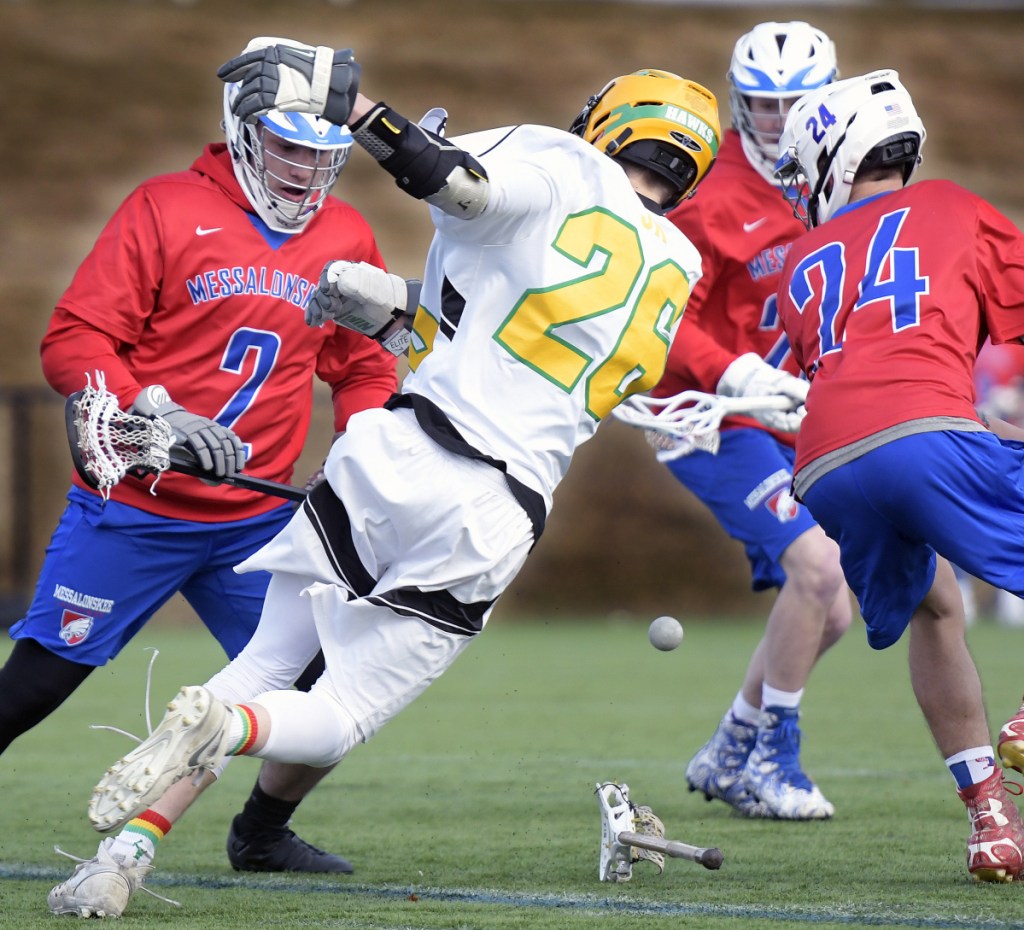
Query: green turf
x=474 y=808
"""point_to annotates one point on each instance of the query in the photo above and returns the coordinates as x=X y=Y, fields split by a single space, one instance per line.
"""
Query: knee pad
x=307 y=728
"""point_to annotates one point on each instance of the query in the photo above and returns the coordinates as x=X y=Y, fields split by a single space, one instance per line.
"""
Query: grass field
x=474 y=808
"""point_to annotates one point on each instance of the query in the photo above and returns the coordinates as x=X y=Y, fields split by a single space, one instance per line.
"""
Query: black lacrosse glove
x=217 y=449
x=280 y=77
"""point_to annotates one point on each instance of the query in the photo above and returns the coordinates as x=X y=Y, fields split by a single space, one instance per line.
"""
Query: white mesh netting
x=111 y=442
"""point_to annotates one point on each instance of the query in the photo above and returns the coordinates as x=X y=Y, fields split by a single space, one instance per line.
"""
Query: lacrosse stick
x=108 y=444
x=689 y=421
x=631 y=833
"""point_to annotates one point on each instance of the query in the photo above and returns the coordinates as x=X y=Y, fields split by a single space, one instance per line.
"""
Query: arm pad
x=424 y=164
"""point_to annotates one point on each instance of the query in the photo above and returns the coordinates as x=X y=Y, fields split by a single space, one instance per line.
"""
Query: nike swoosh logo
x=205 y=232
x=747 y=227
x=194 y=759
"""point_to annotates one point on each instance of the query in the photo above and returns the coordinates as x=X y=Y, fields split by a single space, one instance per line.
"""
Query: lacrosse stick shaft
x=710 y=858
x=182 y=461
x=741 y=405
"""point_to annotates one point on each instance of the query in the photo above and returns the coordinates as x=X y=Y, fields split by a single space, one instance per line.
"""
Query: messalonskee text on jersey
x=255 y=281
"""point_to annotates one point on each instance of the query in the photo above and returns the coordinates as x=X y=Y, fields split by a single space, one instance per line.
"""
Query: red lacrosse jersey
x=743 y=228
x=188 y=288
x=888 y=303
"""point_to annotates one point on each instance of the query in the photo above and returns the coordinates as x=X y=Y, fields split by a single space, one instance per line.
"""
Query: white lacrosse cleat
x=193 y=735
x=773 y=774
x=101 y=886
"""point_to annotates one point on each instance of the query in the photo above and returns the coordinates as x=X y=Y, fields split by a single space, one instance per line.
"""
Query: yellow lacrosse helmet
x=656 y=119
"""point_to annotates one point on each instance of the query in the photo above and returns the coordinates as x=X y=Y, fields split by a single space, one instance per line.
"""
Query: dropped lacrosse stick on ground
x=631 y=833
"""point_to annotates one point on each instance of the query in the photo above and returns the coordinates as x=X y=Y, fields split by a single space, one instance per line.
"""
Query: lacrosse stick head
x=107 y=444
x=690 y=420
x=620 y=815
x=675 y=426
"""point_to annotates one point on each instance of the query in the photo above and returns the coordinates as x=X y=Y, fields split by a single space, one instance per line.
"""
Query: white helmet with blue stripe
x=286 y=163
x=772 y=66
x=861 y=124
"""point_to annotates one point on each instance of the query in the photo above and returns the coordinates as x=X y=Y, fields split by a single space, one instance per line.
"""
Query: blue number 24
x=891 y=275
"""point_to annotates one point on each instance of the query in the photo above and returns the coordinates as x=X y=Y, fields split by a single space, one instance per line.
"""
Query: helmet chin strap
x=651 y=205
x=617 y=144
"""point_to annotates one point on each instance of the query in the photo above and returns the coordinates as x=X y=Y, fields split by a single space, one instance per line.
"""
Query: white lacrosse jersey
x=540 y=315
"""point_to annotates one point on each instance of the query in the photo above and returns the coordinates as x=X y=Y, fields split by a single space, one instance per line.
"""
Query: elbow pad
x=424 y=164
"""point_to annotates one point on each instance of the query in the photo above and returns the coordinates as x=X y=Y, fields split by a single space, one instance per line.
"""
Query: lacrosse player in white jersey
x=553 y=287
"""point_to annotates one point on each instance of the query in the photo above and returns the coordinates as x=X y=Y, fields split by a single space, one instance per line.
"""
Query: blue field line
x=592 y=905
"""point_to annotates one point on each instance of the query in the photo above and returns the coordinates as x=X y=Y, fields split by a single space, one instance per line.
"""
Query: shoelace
x=785 y=754
x=198 y=776
x=149 y=719
x=141 y=886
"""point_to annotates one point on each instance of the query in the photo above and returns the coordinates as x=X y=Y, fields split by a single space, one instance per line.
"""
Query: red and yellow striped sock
x=139 y=837
x=245 y=729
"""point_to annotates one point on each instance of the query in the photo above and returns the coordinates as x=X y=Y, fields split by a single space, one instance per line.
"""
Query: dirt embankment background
x=103 y=93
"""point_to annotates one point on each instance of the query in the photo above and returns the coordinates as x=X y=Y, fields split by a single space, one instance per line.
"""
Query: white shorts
x=420 y=519
x=377 y=663
x=434 y=539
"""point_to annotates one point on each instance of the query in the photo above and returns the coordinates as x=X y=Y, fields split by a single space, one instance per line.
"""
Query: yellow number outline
x=530 y=332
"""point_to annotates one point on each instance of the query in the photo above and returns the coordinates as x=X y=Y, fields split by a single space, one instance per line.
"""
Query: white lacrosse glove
x=366 y=299
x=217 y=449
x=750 y=375
x=277 y=74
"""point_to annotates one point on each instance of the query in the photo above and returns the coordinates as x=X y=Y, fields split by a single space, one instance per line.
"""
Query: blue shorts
x=747 y=487
x=109 y=567
x=958 y=494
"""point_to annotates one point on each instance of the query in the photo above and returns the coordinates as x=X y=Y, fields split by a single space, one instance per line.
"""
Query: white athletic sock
x=773 y=697
x=744 y=711
x=137 y=840
x=972 y=765
x=307 y=728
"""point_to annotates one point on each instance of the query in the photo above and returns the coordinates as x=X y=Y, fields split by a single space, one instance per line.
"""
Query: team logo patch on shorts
x=774 y=493
x=782 y=505
x=75 y=627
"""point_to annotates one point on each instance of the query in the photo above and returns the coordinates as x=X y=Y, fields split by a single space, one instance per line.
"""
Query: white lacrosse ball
x=665 y=633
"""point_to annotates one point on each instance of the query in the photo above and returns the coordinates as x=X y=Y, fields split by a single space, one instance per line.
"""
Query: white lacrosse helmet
x=867 y=121
x=777 y=63
x=285 y=191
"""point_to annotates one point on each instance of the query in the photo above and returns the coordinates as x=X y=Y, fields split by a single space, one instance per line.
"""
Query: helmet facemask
x=286 y=163
x=759 y=119
x=791 y=176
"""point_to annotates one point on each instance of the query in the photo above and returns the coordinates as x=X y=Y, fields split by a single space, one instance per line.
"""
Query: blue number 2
x=266 y=345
